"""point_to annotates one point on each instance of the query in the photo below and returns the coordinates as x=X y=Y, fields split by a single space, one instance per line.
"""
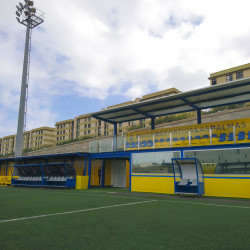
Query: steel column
x=152 y=123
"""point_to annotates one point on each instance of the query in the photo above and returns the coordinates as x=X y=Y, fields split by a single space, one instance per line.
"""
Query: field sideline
x=109 y=218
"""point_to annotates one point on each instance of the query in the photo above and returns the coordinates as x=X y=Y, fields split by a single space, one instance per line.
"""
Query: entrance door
x=119 y=173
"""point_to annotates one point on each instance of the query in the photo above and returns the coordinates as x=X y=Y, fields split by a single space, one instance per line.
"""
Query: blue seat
x=156 y=140
x=182 y=139
x=190 y=138
x=128 y=145
x=222 y=137
x=230 y=137
x=150 y=143
x=214 y=136
x=197 y=137
x=205 y=137
x=241 y=136
x=175 y=139
x=168 y=139
x=162 y=140
x=248 y=135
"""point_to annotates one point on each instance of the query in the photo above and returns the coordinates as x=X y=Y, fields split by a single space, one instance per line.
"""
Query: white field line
x=72 y=212
x=77 y=193
x=206 y=204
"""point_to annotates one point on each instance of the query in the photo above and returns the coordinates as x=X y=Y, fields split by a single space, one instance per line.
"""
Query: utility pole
x=30 y=17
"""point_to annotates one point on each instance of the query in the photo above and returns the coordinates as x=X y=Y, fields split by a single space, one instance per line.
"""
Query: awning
x=213 y=96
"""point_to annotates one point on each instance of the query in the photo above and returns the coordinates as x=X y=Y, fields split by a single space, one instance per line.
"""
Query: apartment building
x=40 y=137
x=64 y=130
x=8 y=144
x=231 y=74
x=26 y=140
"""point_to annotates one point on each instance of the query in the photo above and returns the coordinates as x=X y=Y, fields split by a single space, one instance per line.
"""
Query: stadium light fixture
x=18 y=14
x=21 y=5
x=18 y=19
x=18 y=8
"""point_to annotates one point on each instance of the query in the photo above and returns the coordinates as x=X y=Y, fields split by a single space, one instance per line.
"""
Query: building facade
x=231 y=74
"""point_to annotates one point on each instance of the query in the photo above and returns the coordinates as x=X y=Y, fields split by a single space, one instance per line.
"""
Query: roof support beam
x=194 y=107
x=102 y=119
x=152 y=123
x=142 y=113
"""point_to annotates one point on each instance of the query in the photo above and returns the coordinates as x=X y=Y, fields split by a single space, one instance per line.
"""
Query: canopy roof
x=213 y=96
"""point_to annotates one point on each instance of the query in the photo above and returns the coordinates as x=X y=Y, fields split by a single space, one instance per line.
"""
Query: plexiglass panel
x=156 y=163
x=106 y=145
x=226 y=161
x=94 y=146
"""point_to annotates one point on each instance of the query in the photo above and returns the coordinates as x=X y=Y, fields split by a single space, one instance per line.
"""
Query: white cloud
x=101 y=48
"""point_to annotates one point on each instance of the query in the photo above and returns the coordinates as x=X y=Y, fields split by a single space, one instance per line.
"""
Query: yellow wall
x=79 y=165
x=107 y=173
x=95 y=166
x=221 y=186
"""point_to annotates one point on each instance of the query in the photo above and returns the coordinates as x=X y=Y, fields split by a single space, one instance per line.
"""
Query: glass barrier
x=157 y=163
x=119 y=143
x=132 y=142
x=180 y=138
x=162 y=139
x=94 y=146
x=223 y=161
x=199 y=136
x=242 y=132
x=106 y=145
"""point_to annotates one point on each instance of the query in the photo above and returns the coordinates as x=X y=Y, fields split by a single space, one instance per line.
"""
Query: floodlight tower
x=30 y=17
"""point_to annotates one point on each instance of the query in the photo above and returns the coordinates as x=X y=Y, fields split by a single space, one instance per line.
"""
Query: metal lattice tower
x=30 y=17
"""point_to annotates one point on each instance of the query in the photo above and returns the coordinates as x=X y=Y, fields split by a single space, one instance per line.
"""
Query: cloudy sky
x=90 y=54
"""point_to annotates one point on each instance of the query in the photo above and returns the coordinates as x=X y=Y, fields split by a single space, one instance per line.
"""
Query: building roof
x=233 y=92
x=42 y=128
x=70 y=120
x=231 y=70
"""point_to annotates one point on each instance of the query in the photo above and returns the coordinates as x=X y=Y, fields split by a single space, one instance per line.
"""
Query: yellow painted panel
x=79 y=165
x=107 y=181
x=153 y=184
x=224 y=187
x=127 y=173
x=82 y=182
x=180 y=135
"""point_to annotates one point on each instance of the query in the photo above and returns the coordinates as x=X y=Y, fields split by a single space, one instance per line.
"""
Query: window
x=89 y=125
x=133 y=123
x=69 y=136
x=57 y=138
x=128 y=123
x=64 y=131
x=214 y=81
x=69 y=130
x=85 y=126
x=41 y=137
x=58 y=127
x=41 y=131
x=89 y=119
x=88 y=131
x=107 y=133
x=95 y=130
x=153 y=162
x=85 y=132
x=60 y=138
x=63 y=137
x=239 y=75
x=61 y=126
x=229 y=78
x=64 y=125
x=58 y=132
x=36 y=138
x=36 y=143
x=96 y=124
x=120 y=131
x=120 y=124
x=86 y=119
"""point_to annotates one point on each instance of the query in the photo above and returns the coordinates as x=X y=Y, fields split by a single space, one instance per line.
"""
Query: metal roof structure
x=228 y=93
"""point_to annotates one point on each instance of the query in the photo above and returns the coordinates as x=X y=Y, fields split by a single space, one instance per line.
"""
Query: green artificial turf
x=159 y=223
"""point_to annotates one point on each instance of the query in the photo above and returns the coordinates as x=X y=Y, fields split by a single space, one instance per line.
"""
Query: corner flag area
x=112 y=218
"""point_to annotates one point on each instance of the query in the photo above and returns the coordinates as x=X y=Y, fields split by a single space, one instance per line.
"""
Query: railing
x=210 y=134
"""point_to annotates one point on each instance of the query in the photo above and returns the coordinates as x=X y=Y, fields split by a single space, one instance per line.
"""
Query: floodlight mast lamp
x=30 y=17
